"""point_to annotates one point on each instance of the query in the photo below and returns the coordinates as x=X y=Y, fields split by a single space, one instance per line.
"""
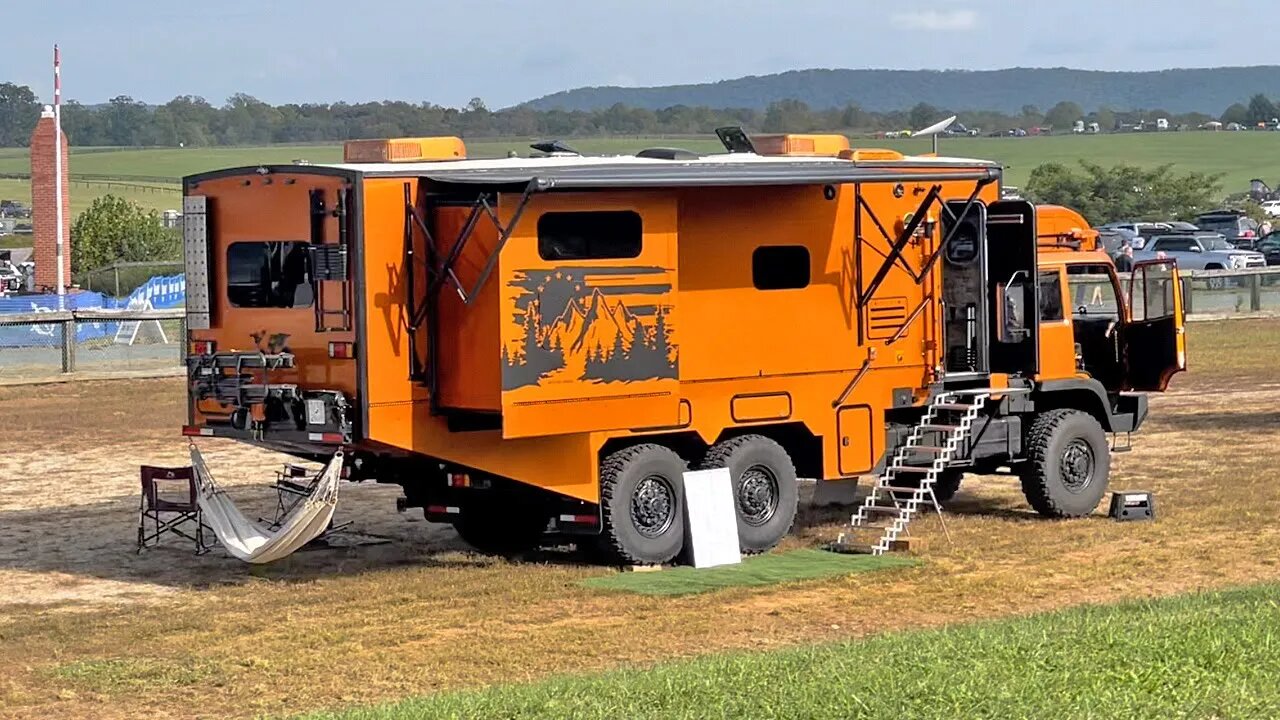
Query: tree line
x=192 y=121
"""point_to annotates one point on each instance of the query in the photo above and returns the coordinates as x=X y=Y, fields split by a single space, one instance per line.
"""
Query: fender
x=1088 y=394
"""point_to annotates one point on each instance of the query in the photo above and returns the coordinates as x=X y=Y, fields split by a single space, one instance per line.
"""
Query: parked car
x=1201 y=251
x=1269 y=246
x=1113 y=241
x=1239 y=229
x=1137 y=232
x=12 y=279
x=1271 y=208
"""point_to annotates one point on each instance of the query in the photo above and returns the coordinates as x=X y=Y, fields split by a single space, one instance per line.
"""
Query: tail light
x=342 y=350
x=203 y=347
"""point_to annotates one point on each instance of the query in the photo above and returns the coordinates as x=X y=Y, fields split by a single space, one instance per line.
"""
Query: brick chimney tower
x=44 y=208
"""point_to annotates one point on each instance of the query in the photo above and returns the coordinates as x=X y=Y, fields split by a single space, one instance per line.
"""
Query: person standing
x=1124 y=261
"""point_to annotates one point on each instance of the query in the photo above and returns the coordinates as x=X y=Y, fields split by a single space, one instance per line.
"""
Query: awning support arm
x=504 y=234
x=896 y=252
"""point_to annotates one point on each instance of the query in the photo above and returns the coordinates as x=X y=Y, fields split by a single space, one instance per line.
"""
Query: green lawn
x=1203 y=656
x=768 y=569
x=1238 y=156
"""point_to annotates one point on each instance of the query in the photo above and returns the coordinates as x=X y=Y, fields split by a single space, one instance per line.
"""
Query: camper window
x=269 y=274
x=597 y=235
x=780 y=267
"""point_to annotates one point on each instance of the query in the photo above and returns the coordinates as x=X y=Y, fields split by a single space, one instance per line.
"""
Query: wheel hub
x=757 y=495
x=1077 y=465
x=653 y=506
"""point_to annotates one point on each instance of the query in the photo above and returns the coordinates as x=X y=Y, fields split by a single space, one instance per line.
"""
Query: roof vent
x=664 y=153
x=554 y=147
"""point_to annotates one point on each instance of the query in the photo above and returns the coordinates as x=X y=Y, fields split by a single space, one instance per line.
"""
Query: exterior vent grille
x=885 y=317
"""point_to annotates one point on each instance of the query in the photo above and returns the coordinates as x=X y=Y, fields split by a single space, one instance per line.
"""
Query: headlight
x=1237 y=261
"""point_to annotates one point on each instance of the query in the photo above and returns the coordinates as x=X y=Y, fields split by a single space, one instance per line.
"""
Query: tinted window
x=1173 y=244
x=780 y=267
x=599 y=235
x=269 y=274
x=1050 y=296
x=1224 y=225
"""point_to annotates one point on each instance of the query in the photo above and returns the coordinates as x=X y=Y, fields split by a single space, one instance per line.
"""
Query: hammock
x=255 y=543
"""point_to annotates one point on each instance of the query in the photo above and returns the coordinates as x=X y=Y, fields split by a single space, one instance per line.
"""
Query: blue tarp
x=163 y=292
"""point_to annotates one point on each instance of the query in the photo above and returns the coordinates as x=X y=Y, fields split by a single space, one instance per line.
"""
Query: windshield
x=1216 y=243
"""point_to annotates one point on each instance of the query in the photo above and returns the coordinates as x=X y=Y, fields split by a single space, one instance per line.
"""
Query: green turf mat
x=768 y=569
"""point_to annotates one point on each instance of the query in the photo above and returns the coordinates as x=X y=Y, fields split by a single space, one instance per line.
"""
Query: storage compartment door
x=588 y=315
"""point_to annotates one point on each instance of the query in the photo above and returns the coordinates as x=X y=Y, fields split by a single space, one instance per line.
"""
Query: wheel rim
x=757 y=495
x=653 y=506
x=1077 y=465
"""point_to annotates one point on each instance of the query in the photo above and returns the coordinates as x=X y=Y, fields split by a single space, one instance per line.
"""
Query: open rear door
x=1013 y=289
x=1155 y=341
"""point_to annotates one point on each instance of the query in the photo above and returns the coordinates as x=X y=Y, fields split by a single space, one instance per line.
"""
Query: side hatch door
x=1013 y=290
x=1154 y=336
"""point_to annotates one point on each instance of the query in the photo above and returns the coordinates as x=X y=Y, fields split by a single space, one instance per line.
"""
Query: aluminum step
x=897 y=489
x=959 y=407
x=911 y=469
x=872 y=526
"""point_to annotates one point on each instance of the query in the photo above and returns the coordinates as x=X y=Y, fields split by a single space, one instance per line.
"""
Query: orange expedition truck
x=537 y=348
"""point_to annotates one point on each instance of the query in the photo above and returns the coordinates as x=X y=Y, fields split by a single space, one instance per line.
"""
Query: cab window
x=1050 y=296
x=1092 y=292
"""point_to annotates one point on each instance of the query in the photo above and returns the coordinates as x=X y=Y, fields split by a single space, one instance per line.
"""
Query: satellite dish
x=935 y=130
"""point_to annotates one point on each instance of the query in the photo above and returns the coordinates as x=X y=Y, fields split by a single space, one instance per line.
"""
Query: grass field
x=1201 y=656
x=88 y=628
x=1238 y=156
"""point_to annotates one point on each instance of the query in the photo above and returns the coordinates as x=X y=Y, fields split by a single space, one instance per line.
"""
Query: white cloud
x=937 y=20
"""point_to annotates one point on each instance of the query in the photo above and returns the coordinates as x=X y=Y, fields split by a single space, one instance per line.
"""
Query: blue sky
x=508 y=51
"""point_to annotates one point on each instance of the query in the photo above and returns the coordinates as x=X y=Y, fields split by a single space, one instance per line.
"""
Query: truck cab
x=1117 y=336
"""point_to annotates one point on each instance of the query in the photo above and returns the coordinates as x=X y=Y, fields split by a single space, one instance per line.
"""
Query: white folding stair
x=947 y=416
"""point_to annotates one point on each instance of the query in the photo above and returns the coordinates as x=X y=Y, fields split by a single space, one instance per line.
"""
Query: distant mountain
x=1208 y=90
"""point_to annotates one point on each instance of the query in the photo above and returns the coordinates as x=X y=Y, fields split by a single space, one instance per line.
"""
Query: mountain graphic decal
x=588 y=332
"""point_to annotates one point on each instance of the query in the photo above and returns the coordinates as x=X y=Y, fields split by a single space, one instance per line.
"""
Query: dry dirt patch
x=87 y=628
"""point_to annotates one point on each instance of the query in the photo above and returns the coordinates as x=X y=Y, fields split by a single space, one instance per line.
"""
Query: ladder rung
x=882 y=509
x=928 y=448
x=912 y=469
x=873 y=526
x=854 y=548
x=936 y=426
x=955 y=406
x=896 y=489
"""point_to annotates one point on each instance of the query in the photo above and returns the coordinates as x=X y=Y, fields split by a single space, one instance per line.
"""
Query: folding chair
x=294 y=484
x=169 y=515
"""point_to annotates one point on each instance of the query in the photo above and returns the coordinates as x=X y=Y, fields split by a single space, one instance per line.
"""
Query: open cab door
x=1154 y=337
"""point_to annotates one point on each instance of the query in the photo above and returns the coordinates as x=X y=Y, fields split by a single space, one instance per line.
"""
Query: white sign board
x=713 y=524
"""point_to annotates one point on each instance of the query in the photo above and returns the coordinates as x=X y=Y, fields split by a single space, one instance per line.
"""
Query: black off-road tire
x=648 y=530
x=766 y=505
x=948 y=484
x=501 y=526
x=1055 y=481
